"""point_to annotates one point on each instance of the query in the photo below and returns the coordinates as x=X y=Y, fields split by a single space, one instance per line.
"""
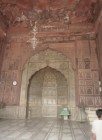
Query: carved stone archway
x=55 y=60
x=48 y=93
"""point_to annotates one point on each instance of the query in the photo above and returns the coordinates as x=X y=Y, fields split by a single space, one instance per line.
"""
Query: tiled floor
x=43 y=129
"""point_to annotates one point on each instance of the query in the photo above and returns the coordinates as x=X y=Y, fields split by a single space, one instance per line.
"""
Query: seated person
x=65 y=112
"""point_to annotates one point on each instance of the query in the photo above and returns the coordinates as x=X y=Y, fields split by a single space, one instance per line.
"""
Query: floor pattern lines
x=85 y=130
x=39 y=132
x=38 y=126
x=47 y=135
x=61 y=130
x=44 y=129
x=71 y=128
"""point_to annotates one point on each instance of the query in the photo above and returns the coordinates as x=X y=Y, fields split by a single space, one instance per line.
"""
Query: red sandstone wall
x=2 y=49
x=3 y=29
x=99 y=46
x=81 y=52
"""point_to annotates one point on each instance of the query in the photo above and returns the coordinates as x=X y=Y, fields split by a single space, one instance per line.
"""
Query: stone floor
x=44 y=129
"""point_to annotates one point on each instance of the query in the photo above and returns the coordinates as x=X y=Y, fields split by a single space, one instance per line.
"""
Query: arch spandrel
x=48 y=55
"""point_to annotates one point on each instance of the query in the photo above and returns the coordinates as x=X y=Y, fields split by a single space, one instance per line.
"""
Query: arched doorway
x=48 y=92
x=56 y=62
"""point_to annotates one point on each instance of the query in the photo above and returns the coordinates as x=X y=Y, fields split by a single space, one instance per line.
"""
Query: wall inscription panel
x=88 y=78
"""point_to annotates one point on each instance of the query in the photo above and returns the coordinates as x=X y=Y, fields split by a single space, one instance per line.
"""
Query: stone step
x=91 y=113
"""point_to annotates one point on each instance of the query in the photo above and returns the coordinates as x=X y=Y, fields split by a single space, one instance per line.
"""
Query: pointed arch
x=54 y=60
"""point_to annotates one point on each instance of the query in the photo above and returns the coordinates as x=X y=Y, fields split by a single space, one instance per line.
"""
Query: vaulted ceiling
x=73 y=16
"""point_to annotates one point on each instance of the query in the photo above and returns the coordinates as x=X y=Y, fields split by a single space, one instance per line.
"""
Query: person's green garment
x=65 y=112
